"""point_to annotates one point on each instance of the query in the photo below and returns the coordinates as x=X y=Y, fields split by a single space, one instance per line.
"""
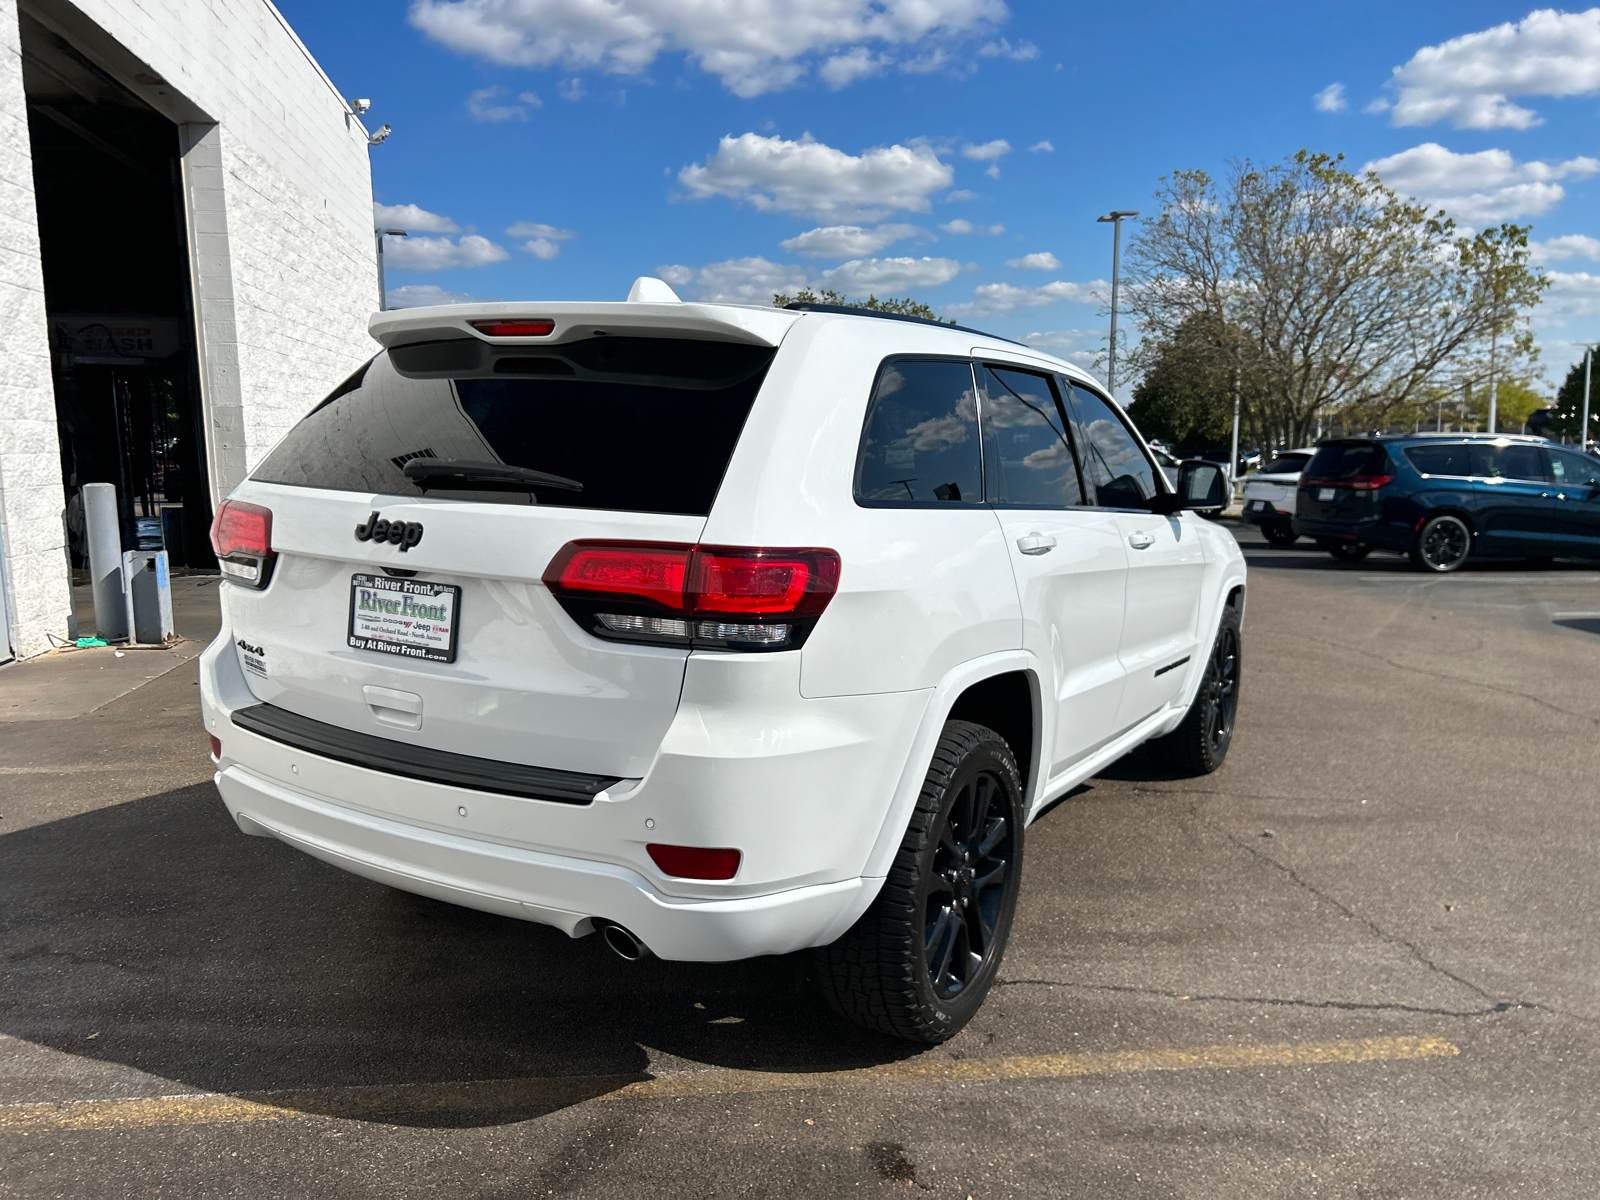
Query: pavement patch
x=541 y=1095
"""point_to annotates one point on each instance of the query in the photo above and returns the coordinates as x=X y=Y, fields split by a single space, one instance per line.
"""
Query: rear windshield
x=644 y=424
x=1346 y=460
x=1286 y=464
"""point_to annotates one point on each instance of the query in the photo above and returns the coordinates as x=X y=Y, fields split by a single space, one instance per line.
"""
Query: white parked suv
x=1269 y=495
x=721 y=630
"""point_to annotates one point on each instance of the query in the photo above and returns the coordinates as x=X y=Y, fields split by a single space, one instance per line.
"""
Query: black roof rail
x=849 y=311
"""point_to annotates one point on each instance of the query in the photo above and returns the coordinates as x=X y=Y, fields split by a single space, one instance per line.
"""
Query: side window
x=1027 y=457
x=1515 y=462
x=1115 y=471
x=1574 y=470
x=920 y=443
x=1450 y=458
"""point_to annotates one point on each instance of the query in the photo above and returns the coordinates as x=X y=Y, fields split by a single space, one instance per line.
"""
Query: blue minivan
x=1443 y=498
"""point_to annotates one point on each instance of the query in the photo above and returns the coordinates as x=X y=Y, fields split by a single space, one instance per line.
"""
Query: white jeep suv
x=721 y=630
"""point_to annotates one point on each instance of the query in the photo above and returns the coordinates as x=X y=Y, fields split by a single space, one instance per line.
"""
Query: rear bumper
x=1386 y=535
x=1253 y=514
x=552 y=889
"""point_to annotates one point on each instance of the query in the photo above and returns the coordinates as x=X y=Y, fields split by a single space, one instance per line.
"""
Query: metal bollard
x=148 y=597
x=104 y=533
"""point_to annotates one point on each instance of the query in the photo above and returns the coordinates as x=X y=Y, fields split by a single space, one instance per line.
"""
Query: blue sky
x=954 y=150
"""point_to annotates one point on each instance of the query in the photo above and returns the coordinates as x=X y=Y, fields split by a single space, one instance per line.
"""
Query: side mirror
x=1200 y=485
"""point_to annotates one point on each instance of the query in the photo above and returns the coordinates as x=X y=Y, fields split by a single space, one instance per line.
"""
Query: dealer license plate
x=404 y=617
x=1326 y=493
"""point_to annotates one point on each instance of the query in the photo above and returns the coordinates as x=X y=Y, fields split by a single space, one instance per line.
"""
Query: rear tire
x=1350 y=552
x=921 y=959
x=1200 y=745
x=1279 y=533
x=1443 y=544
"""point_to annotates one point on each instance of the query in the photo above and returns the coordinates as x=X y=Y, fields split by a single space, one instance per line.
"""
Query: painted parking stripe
x=544 y=1095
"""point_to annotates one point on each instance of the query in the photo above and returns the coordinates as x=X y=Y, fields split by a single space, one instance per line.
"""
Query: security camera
x=360 y=106
x=381 y=135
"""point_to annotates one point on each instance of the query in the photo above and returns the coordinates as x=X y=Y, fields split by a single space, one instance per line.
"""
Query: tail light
x=695 y=862
x=241 y=537
x=527 y=327
x=713 y=597
x=1368 y=483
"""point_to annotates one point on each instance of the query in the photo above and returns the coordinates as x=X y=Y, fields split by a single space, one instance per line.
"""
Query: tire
x=921 y=959
x=1200 y=745
x=1349 y=552
x=1279 y=533
x=1443 y=544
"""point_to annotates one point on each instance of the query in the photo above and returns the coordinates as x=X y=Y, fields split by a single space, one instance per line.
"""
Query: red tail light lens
x=695 y=862
x=729 y=579
x=533 y=327
x=216 y=746
x=241 y=538
x=649 y=571
x=1368 y=483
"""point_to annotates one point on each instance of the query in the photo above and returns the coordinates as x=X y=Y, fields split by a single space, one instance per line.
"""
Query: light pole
x=378 y=236
x=1116 y=218
x=1588 y=367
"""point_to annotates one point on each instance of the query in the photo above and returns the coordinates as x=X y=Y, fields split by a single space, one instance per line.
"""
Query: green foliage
x=905 y=307
x=1569 y=403
x=1186 y=395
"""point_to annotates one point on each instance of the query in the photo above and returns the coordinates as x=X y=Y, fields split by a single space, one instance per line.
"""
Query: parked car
x=721 y=631
x=1444 y=498
x=1269 y=496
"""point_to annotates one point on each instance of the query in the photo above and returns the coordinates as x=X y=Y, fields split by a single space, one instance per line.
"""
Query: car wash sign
x=110 y=339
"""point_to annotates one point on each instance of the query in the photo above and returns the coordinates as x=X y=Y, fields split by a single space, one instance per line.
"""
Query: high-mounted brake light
x=695 y=862
x=241 y=538
x=529 y=327
x=726 y=597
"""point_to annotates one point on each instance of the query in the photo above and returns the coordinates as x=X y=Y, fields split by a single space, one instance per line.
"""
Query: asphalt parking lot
x=1361 y=960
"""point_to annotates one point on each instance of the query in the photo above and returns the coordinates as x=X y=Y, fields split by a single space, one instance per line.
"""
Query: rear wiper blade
x=450 y=474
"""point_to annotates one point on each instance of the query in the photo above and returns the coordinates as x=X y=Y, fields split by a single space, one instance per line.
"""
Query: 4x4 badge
x=404 y=534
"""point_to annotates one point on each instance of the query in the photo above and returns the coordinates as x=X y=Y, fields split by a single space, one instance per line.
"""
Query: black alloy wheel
x=1443 y=544
x=921 y=959
x=1200 y=744
x=1350 y=552
x=1279 y=533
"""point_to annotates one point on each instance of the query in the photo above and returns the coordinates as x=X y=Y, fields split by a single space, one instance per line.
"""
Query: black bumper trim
x=420 y=762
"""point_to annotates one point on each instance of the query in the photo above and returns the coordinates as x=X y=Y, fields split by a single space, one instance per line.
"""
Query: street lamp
x=1588 y=367
x=378 y=236
x=1116 y=218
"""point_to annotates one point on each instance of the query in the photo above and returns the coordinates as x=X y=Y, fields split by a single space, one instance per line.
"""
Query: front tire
x=921 y=959
x=1443 y=544
x=1200 y=745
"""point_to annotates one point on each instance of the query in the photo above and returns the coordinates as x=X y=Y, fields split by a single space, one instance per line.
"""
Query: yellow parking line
x=533 y=1097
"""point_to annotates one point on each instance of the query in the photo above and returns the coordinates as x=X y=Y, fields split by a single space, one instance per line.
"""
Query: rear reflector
x=695 y=862
x=532 y=327
x=216 y=746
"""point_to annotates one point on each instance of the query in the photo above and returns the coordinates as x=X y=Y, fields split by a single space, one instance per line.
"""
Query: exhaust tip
x=623 y=943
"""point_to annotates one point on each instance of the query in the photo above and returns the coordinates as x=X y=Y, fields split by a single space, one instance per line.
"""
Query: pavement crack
x=44 y=951
x=1280 y=1001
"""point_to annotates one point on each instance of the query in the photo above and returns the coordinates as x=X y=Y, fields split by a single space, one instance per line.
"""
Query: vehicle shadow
x=154 y=935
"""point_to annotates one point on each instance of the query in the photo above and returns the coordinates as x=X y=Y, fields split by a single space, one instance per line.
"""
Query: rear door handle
x=1036 y=543
x=1141 y=540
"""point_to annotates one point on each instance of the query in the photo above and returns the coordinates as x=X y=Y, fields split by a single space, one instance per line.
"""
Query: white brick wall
x=32 y=540
x=280 y=198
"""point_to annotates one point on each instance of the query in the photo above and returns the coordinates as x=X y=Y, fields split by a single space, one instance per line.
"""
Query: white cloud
x=542 y=248
x=420 y=295
x=752 y=47
x=570 y=90
x=847 y=241
x=1571 y=245
x=958 y=197
x=411 y=218
x=988 y=151
x=1041 y=148
x=963 y=226
x=675 y=273
x=1057 y=340
x=483 y=105
x=1571 y=294
x=1330 y=99
x=1001 y=48
x=1489 y=185
x=806 y=176
x=890 y=274
x=440 y=253
x=998 y=299
x=844 y=69
x=1469 y=80
x=744 y=280
x=1040 y=261
x=543 y=240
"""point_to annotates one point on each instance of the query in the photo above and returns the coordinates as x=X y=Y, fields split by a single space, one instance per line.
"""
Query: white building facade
x=186 y=267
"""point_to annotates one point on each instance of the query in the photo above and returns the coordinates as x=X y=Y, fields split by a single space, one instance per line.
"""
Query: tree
x=1186 y=394
x=1347 y=301
x=906 y=307
x=1569 y=403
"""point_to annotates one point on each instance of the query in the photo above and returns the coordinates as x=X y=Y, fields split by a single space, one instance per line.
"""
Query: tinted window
x=1517 y=462
x=1453 y=458
x=1574 y=470
x=1027 y=458
x=1345 y=460
x=920 y=443
x=1115 y=470
x=634 y=420
x=1286 y=464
